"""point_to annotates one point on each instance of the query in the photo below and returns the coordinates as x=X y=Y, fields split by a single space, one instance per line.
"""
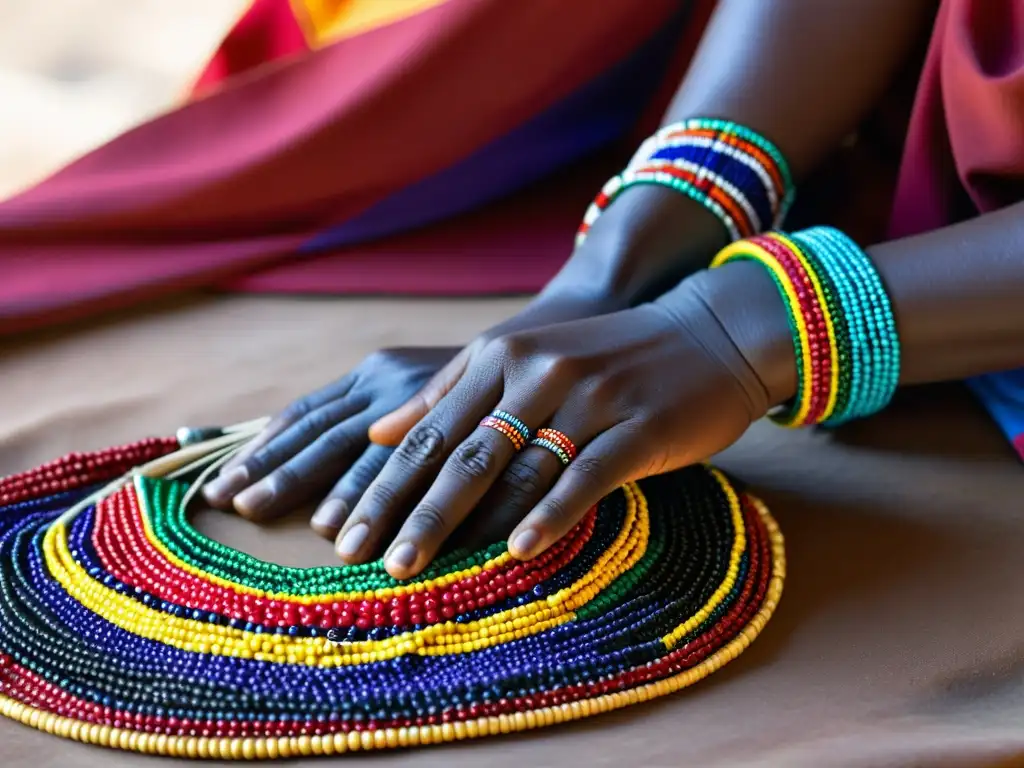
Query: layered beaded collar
x=122 y=625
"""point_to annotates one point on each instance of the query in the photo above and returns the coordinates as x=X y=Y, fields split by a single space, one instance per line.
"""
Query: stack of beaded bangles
x=519 y=435
x=848 y=353
x=740 y=176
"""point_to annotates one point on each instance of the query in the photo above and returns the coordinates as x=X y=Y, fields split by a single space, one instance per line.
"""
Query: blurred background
x=75 y=73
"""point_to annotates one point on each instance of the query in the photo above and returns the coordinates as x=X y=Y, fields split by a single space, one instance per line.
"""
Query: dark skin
x=659 y=385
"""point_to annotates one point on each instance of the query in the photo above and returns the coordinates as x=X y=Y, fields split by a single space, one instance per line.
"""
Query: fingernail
x=254 y=500
x=329 y=516
x=226 y=484
x=523 y=544
x=403 y=557
x=353 y=540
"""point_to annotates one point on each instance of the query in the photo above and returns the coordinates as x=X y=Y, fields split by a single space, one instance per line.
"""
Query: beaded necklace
x=121 y=625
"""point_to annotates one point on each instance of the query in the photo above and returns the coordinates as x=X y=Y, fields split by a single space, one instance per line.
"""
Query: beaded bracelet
x=872 y=348
x=737 y=174
x=841 y=320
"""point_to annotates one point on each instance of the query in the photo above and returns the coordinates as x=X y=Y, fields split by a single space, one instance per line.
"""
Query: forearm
x=773 y=67
x=957 y=295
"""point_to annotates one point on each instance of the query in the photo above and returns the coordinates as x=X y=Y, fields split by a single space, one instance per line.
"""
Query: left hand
x=640 y=392
x=318 y=449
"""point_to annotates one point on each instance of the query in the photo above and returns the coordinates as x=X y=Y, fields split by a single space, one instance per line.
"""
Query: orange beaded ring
x=510 y=426
x=556 y=442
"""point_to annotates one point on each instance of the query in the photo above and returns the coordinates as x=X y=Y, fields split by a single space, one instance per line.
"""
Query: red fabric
x=965 y=146
x=267 y=32
x=232 y=182
x=514 y=238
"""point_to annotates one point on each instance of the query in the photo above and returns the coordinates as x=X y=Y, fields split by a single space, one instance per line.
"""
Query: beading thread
x=736 y=173
x=840 y=318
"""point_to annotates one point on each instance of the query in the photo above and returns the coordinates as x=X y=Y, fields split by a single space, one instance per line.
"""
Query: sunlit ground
x=74 y=73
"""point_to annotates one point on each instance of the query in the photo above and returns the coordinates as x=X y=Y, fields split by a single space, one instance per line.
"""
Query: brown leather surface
x=900 y=637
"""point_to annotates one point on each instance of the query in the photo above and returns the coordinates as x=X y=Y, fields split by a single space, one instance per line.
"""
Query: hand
x=640 y=392
x=322 y=437
x=304 y=449
x=649 y=241
x=552 y=306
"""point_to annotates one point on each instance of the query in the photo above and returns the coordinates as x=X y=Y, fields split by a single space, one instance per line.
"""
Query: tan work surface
x=900 y=637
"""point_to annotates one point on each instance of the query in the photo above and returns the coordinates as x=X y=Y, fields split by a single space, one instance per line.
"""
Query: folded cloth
x=965 y=148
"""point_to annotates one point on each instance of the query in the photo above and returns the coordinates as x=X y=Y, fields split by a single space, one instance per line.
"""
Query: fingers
x=526 y=479
x=418 y=459
x=293 y=413
x=287 y=433
x=464 y=479
x=293 y=474
x=602 y=466
x=392 y=428
x=335 y=508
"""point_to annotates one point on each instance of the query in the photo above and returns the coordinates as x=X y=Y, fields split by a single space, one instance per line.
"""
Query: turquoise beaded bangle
x=874 y=350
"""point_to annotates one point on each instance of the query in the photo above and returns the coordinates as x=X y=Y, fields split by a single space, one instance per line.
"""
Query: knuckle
x=552 y=512
x=364 y=471
x=382 y=496
x=341 y=440
x=610 y=389
x=557 y=368
x=473 y=460
x=590 y=468
x=295 y=411
x=521 y=481
x=317 y=422
x=509 y=348
x=382 y=358
x=423 y=447
x=655 y=429
x=262 y=461
x=286 y=479
x=428 y=520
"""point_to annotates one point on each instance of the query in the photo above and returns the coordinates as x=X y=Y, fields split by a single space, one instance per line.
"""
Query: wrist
x=647 y=241
x=745 y=302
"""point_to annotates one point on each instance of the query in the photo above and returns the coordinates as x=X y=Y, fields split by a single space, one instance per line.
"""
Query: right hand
x=318 y=447
x=547 y=309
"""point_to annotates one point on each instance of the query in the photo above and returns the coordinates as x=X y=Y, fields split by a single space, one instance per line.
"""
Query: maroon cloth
x=258 y=171
x=965 y=146
x=964 y=153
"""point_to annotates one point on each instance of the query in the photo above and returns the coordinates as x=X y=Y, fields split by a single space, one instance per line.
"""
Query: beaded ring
x=556 y=442
x=510 y=426
x=123 y=626
x=736 y=173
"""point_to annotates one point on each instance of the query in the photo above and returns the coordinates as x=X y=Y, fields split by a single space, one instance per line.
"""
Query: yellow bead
x=366 y=740
x=354 y=742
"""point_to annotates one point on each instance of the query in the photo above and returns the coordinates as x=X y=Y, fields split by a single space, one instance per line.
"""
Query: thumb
x=390 y=429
